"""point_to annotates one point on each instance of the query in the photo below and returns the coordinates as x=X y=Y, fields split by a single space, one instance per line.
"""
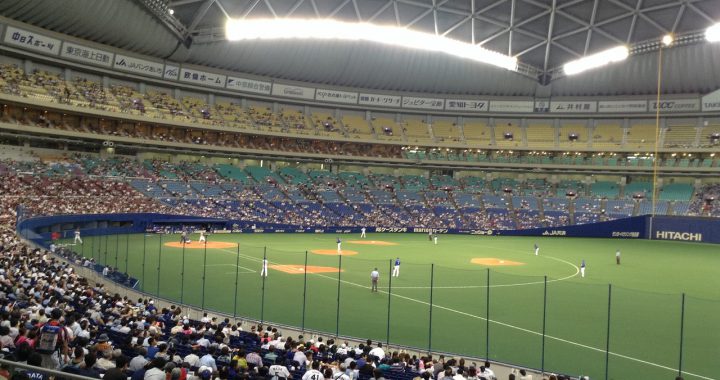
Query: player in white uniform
x=78 y=239
x=264 y=270
x=537 y=249
x=396 y=268
x=582 y=269
x=362 y=232
x=435 y=239
x=339 y=243
x=202 y=238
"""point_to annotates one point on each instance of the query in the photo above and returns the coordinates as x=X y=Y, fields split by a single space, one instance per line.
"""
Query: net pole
x=158 y=265
x=682 y=333
x=106 y=249
x=92 y=248
x=607 y=339
x=117 y=248
x=387 y=335
x=262 y=295
x=237 y=274
x=127 y=251
x=487 y=316
x=542 y=358
x=182 y=276
x=143 y=259
x=204 y=273
x=302 y=328
x=432 y=278
x=337 y=313
x=657 y=131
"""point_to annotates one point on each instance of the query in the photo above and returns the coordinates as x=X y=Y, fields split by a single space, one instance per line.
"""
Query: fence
x=537 y=322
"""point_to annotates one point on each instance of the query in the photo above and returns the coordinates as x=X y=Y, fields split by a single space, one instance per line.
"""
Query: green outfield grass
x=645 y=303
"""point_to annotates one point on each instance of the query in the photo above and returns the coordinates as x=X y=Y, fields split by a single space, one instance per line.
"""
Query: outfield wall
x=677 y=228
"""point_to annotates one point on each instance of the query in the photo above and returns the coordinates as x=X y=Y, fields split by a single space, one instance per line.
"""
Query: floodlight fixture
x=600 y=59
x=667 y=40
x=294 y=28
x=712 y=33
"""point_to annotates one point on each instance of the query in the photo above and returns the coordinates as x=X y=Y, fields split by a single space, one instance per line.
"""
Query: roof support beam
x=204 y=8
x=549 y=36
x=590 y=30
x=512 y=26
x=295 y=7
x=472 y=21
x=178 y=3
x=381 y=10
x=680 y=13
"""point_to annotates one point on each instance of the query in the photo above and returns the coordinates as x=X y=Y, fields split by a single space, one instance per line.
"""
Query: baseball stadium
x=359 y=189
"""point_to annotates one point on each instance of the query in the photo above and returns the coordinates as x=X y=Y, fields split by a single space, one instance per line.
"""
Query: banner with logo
x=379 y=100
x=466 y=105
x=512 y=106
x=86 y=54
x=138 y=66
x=542 y=105
x=711 y=101
x=171 y=72
x=622 y=106
x=293 y=91
x=248 y=85
x=31 y=41
x=557 y=106
x=202 y=78
x=675 y=105
x=423 y=103
x=334 y=96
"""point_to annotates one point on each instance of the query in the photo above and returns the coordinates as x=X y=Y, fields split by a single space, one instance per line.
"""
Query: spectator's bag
x=49 y=339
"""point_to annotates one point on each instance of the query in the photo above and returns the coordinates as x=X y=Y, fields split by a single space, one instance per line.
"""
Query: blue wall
x=641 y=227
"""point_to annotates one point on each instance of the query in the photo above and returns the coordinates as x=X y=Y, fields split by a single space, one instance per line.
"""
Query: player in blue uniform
x=396 y=268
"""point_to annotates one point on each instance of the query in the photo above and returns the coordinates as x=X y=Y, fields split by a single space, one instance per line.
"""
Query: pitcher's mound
x=371 y=242
x=491 y=261
x=300 y=269
x=199 y=245
x=334 y=252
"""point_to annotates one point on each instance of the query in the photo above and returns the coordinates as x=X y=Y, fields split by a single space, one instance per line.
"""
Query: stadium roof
x=543 y=34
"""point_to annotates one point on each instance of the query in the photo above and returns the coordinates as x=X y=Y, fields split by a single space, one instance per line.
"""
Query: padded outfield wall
x=676 y=228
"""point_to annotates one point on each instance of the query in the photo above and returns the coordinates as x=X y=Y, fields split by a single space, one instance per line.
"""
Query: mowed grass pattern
x=645 y=306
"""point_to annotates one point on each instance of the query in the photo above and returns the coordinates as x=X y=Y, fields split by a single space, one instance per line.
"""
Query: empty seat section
x=679 y=134
x=540 y=135
x=416 y=130
x=641 y=134
x=573 y=134
x=508 y=134
x=607 y=134
x=605 y=189
x=326 y=125
x=676 y=192
x=445 y=130
x=387 y=129
x=357 y=127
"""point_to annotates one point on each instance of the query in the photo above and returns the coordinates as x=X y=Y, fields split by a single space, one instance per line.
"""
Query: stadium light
x=712 y=33
x=600 y=59
x=236 y=30
x=667 y=40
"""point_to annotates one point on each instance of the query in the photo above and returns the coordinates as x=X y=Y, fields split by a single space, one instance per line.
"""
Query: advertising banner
x=31 y=41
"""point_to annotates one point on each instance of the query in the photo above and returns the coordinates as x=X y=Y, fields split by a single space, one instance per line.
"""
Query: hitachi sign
x=673 y=235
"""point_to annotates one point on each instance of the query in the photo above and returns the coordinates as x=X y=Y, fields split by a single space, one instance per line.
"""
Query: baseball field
x=480 y=296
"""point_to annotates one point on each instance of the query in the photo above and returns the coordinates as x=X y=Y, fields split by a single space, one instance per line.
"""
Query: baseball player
x=264 y=270
x=582 y=269
x=435 y=239
x=374 y=276
x=202 y=238
x=184 y=237
x=396 y=268
x=537 y=249
x=78 y=239
x=362 y=232
x=339 y=243
x=430 y=235
x=617 y=257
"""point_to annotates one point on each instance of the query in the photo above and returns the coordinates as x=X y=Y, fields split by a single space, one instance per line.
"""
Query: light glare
x=596 y=60
x=712 y=33
x=667 y=40
x=236 y=30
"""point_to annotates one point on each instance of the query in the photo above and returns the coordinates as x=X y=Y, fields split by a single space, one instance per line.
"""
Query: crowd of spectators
x=86 y=184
